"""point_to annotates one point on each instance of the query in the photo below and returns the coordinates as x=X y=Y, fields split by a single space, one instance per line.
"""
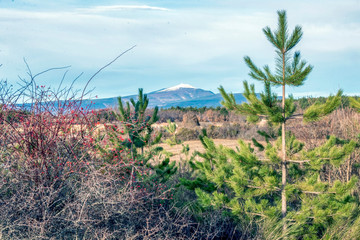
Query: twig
x=295 y=116
x=108 y=64
x=317 y=193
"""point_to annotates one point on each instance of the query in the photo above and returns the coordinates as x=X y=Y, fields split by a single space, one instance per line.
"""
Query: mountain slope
x=210 y=101
x=182 y=95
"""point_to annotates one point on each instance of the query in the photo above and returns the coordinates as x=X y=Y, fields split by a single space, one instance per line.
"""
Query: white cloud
x=330 y=38
x=98 y=9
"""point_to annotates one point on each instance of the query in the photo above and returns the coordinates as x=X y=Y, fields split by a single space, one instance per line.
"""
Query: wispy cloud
x=98 y=9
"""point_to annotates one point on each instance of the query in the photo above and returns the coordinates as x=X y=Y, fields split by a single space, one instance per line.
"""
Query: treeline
x=215 y=114
x=221 y=110
x=306 y=102
x=302 y=103
x=176 y=114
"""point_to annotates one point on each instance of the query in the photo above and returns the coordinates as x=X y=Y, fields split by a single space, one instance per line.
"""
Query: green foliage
x=345 y=229
x=355 y=103
x=228 y=174
x=136 y=124
x=330 y=153
x=163 y=171
x=305 y=102
x=293 y=146
x=240 y=183
x=318 y=110
x=258 y=145
x=171 y=129
x=135 y=132
x=253 y=189
x=268 y=135
x=292 y=72
x=266 y=106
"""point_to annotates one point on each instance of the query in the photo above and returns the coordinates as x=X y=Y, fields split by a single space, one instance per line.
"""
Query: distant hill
x=182 y=95
x=209 y=101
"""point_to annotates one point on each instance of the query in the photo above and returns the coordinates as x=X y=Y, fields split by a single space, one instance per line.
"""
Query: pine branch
x=318 y=111
x=281 y=32
x=258 y=145
x=255 y=72
x=294 y=38
x=229 y=99
x=263 y=187
x=298 y=161
x=270 y=36
x=296 y=116
x=354 y=103
x=288 y=161
x=317 y=193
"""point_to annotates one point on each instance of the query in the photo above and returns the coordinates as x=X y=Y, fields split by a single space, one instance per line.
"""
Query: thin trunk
x=283 y=167
x=132 y=165
x=132 y=150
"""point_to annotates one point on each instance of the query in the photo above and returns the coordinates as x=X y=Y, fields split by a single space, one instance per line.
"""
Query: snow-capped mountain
x=180 y=95
x=177 y=87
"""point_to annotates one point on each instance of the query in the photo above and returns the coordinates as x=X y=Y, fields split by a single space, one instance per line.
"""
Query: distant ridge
x=182 y=95
x=210 y=101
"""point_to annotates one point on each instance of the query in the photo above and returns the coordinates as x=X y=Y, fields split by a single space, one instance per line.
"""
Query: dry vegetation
x=56 y=184
x=195 y=145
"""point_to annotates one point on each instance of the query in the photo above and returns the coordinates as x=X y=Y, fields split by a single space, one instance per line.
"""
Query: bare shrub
x=45 y=142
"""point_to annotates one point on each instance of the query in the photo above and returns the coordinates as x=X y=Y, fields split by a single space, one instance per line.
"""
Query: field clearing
x=195 y=145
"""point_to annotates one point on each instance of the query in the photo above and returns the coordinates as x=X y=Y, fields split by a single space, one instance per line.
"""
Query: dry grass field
x=195 y=145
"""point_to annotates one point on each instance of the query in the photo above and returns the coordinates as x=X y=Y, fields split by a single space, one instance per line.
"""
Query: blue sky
x=197 y=42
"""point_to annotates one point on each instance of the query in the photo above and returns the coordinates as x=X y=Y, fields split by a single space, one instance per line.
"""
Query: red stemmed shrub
x=48 y=136
x=46 y=146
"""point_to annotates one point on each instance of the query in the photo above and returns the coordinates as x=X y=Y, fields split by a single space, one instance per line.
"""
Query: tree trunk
x=283 y=163
x=283 y=143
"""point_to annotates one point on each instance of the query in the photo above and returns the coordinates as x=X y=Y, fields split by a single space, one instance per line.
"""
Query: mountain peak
x=182 y=85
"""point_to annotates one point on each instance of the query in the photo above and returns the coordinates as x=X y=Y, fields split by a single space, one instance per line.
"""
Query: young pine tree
x=290 y=71
x=171 y=129
x=136 y=132
x=290 y=182
x=137 y=125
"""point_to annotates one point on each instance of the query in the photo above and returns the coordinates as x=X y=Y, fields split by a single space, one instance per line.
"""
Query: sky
x=196 y=42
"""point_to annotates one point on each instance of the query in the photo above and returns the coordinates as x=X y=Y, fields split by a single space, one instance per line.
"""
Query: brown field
x=195 y=145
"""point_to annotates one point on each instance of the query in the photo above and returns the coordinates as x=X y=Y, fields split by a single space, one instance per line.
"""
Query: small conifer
x=136 y=132
x=287 y=182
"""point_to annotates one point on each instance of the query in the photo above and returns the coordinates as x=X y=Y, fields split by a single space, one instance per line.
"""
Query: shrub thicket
x=61 y=178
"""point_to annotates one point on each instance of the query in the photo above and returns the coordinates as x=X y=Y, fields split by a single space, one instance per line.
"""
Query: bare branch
x=108 y=64
x=317 y=193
